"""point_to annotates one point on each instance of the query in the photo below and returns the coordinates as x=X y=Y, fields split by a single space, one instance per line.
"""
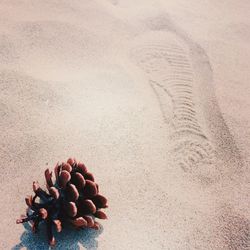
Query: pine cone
x=73 y=198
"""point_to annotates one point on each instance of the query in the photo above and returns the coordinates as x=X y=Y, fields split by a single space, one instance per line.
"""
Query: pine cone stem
x=28 y=218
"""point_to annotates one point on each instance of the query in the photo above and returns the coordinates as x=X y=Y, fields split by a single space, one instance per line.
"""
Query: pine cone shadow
x=67 y=239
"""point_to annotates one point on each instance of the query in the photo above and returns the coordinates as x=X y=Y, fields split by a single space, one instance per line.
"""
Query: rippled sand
x=152 y=95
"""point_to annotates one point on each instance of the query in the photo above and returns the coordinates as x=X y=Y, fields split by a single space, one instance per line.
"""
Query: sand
x=152 y=95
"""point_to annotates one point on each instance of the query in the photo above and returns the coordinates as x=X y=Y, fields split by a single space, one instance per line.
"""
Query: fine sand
x=152 y=95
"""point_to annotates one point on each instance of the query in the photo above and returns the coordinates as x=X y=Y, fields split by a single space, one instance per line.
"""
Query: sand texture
x=152 y=95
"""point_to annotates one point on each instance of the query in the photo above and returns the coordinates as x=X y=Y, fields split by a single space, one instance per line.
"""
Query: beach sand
x=152 y=95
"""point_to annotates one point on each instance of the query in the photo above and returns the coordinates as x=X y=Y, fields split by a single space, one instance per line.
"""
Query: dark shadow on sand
x=68 y=239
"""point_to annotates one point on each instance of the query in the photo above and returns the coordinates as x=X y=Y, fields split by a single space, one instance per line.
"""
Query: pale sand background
x=152 y=95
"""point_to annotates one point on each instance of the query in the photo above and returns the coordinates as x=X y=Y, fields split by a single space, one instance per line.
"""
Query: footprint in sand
x=166 y=62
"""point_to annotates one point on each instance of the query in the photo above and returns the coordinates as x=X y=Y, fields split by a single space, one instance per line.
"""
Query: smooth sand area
x=152 y=95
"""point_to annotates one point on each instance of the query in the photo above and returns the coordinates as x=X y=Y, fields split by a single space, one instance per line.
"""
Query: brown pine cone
x=74 y=197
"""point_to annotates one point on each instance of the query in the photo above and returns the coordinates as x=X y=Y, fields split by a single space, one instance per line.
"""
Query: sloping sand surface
x=152 y=95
